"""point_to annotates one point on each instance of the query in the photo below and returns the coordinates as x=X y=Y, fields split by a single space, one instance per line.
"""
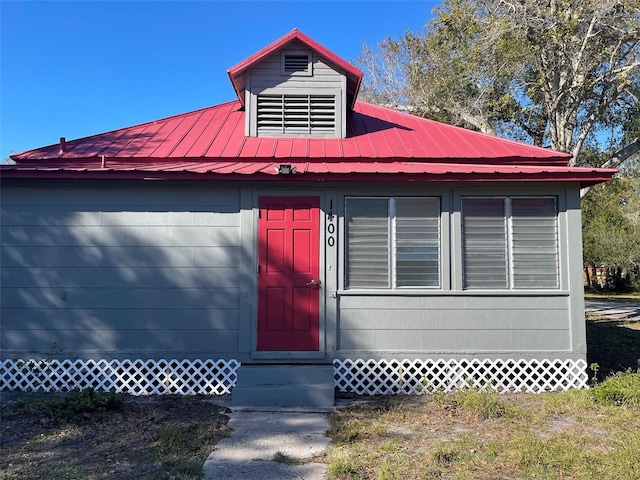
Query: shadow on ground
x=613 y=344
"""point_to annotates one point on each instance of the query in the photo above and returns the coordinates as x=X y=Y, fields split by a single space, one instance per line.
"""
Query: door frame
x=290 y=354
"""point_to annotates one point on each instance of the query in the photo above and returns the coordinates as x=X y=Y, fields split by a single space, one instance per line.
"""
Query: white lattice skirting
x=135 y=377
x=384 y=377
x=363 y=377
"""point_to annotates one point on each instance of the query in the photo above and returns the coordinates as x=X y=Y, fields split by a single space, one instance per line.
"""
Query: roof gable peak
x=237 y=73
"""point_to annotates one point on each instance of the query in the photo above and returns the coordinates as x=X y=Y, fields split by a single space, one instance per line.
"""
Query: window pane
x=535 y=242
x=367 y=242
x=484 y=240
x=417 y=242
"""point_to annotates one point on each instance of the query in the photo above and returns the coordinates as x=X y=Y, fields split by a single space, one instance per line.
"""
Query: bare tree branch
x=567 y=73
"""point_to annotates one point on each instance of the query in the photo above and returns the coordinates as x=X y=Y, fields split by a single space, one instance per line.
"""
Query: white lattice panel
x=384 y=377
x=136 y=377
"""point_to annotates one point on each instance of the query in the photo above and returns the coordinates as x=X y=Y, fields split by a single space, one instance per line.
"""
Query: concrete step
x=284 y=386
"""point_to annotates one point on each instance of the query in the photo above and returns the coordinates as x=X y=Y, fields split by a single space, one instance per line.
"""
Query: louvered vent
x=296 y=115
x=296 y=64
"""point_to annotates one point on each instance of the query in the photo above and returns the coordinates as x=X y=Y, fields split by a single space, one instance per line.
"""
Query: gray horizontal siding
x=122 y=319
x=119 y=297
x=121 y=236
x=294 y=84
x=476 y=341
x=267 y=74
x=122 y=269
x=449 y=301
x=152 y=198
x=105 y=277
x=127 y=332
x=132 y=343
x=454 y=324
x=139 y=256
x=430 y=319
x=88 y=215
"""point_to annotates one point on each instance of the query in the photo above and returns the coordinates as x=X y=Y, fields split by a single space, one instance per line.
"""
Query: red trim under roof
x=374 y=171
x=238 y=71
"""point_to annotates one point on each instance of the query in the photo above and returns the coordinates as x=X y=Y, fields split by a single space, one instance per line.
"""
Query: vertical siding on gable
x=144 y=270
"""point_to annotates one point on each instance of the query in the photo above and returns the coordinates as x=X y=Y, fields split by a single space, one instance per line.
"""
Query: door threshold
x=287 y=355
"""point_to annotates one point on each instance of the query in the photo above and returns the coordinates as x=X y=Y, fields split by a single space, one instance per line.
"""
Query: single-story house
x=297 y=225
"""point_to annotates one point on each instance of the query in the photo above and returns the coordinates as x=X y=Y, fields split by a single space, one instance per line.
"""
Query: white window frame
x=392 y=243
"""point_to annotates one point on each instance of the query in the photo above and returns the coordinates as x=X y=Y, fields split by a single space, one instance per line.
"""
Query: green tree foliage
x=611 y=229
x=558 y=72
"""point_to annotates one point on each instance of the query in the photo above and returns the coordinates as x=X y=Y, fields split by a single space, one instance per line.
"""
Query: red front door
x=288 y=267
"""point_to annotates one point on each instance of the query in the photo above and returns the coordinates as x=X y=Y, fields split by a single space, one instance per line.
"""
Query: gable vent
x=296 y=115
x=296 y=63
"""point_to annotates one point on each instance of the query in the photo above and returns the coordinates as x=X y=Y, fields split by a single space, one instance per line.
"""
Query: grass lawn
x=483 y=435
x=623 y=297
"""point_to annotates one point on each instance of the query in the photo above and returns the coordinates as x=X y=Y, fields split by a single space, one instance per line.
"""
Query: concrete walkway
x=248 y=453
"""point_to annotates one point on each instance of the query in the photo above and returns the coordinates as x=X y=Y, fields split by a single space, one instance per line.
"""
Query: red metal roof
x=381 y=145
x=354 y=75
x=373 y=132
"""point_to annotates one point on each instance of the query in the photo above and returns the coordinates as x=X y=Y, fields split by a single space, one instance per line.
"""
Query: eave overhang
x=305 y=171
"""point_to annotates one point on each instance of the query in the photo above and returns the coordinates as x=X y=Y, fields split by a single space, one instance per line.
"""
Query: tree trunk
x=587 y=276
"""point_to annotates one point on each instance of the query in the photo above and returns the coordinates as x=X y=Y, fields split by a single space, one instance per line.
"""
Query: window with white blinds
x=534 y=242
x=392 y=242
x=510 y=243
x=485 y=243
x=296 y=115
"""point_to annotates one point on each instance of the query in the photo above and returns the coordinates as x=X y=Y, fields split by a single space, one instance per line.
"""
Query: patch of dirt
x=153 y=437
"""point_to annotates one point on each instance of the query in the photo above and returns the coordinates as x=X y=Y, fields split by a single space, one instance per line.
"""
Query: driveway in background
x=612 y=309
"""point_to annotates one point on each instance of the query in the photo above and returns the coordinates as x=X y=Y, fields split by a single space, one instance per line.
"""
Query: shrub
x=621 y=388
x=86 y=401
x=483 y=404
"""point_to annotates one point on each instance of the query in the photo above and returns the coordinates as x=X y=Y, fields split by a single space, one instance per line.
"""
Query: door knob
x=314 y=283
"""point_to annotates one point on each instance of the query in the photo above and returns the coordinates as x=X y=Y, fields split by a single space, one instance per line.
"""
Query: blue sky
x=74 y=69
